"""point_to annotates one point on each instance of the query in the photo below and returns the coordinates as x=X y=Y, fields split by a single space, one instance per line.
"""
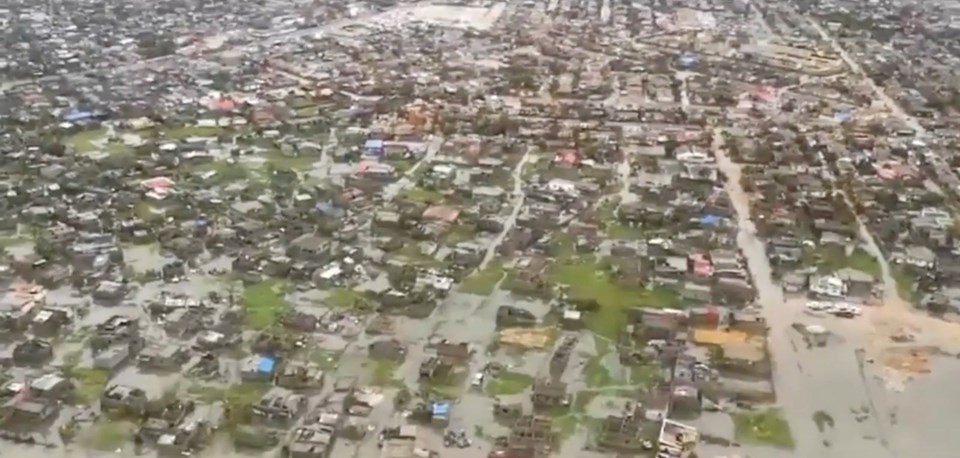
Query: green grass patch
x=383 y=372
x=327 y=360
x=596 y=374
x=508 y=383
x=483 y=282
x=181 y=133
x=89 y=383
x=906 y=284
x=118 y=148
x=619 y=231
x=345 y=298
x=587 y=281
x=448 y=387
x=402 y=166
x=583 y=400
x=307 y=112
x=565 y=426
x=645 y=376
x=264 y=304
x=145 y=212
x=236 y=396
x=86 y=141
x=281 y=161
x=460 y=233
x=236 y=399
x=108 y=436
x=10 y=239
x=601 y=345
x=412 y=253
x=766 y=427
x=860 y=260
x=422 y=195
x=831 y=259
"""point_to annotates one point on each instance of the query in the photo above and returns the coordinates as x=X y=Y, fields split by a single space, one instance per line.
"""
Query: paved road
x=393 y=189
x=881 y=95
x=806 y=382
x=518 y=199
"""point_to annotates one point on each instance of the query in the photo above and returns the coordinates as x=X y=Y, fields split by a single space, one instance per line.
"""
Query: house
x=453 y=354
x=163 y=357
x=159 y=420
x=183 y=321
x=258 y=368
x=677 y=440
x=916 y=256
x=858 y=282
x=387 y=349
x=309 y=247
x=530 y=433
x=623 y=433
x=297 y=375
x=112 y=357
x=32 y=352
x=514 y=317
x=19 y=304
x=189 y=436
x=746 y=358
x=123 y=398
x=549 y=394
x=433 y=367
x=751 y=323
x=49 y=320
x=404 y=442
x=561 y=357
x=24 y=410
x=733 y=290
x=314 y=441
x=52 y=386
x=280 y=406
x=828 y=286
x=695 y=292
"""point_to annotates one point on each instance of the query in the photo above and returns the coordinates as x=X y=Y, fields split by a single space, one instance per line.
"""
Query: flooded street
x=835 y=380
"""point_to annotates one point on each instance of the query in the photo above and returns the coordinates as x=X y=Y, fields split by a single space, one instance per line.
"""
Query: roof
x=46 y=382
x=716 y=337
x=266 y=364
x=78 y=115
x=373 y=143
x=441 y=409
x=746 y=351
x=442 y=213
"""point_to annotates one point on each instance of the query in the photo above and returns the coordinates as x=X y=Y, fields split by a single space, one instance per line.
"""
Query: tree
x=554 y=87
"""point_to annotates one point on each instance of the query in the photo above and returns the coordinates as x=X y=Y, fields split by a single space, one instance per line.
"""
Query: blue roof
x=843 y=115
x=687 y=59
x=441 y=409
x=373 y=143
x=266 y=365
x=78 y=115
x=710 y=220
x=327 y=208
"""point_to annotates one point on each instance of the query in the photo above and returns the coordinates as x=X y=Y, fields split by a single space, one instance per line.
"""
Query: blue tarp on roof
x=687 y=60
x=328 y=209
x=78 y=116
x=843 y=115
x=441 y=409
x=373 y=144
x=266 y=365
x=710 y=220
